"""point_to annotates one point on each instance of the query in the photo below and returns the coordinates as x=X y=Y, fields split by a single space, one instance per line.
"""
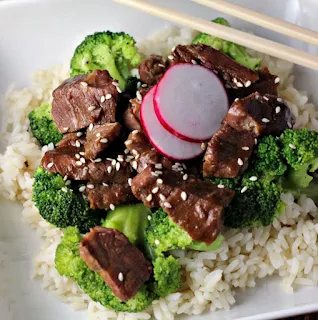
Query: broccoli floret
x=233 y=50
x=164 y=235
x=42 y=125
x=167 y=274
x=60 y=205
x=69 y=263
x=115 y=52
x=131 y=220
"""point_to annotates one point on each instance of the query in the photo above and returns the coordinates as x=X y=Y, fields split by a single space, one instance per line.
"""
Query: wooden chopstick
x=250 y=41
x=262 y=20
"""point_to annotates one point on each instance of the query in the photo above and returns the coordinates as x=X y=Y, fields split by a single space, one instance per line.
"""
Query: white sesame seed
x=65 y=178
x=253 y=178
x=157 y=242
x=68 y=182
x=82 y=153
x=77 y=143
x=114 y=83
x=109 y=169
x=265 y=120
x=84 y=84
x=289 y=124
x=118 y=89
x=159 y=181
x=120 y=277
x=135 y=132
x=120 y=159
x=237 y=99
x=203 y=146
x=158 y=166
x=105 y=184
x=162 y=197
x=108 y=96
x=245 y=148
x=91 y=126
x=243 y=189
x=158 y=172
x=109 y=159
x=98 y=160
x=104 y=140
x=50 y=165
x=82 y=189
x=145 y=85
x=255 y=141
x=167 y=205
x=82 y=160
x=277 y=109
x=98 y=134
x=129 y=181
x=111 y=207
x=138 y=84
x=265 y=98
x=239 y=84
x=91 y=108
x=280 y=100
x=134 y=152
x=64 y=189
x=78 y=163
x=154 y=174
x=247 y=83
x=78 y=134
x=170 y=57
x=126 y=151
x=149 y=217
x=193 y=61
x=134 y=165
x=149 y=197
x=114 y=162
x=90 y=186
x=184 y=196
x=240 y=162
x=277 y=80
x=117 y=166
x=234 y=80
x=138 y=95
x=185 y=177
x=292 y=146
x=155 y=190
x=65 y=128
x=102 y=99
x=221 y=186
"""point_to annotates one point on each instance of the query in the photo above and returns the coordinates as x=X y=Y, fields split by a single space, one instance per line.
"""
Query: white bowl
x=37 y=34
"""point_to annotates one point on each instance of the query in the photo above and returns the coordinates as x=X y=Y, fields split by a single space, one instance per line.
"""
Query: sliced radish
x=165 y=142
x=190 y=102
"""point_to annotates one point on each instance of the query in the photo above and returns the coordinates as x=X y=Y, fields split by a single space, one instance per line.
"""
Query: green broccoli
x=115 y=52
x=42 y=125
x=233 y=50
x=131 y=220
x=69 y=263
x=164 y=235
x=60 y=205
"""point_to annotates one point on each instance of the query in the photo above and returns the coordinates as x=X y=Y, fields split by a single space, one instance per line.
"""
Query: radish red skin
x=215 y=115
x=160 y=138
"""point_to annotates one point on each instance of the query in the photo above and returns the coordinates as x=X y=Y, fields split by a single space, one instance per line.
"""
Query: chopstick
x=250 y=41
x=262 y=20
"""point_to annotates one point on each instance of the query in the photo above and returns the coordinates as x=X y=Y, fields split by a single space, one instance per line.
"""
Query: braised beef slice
x=228 y=153
x=121 y=265
x=73 y=140
x=84 y=99
x=102 y=196
x=233 y=74
x=260 y=114
x=64 y=161
x=132 y=116
x=152 y=69
x=100 y=137
x=144 y=153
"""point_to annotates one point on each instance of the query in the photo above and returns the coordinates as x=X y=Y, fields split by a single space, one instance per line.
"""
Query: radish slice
x=165 y=142
x=191 y=102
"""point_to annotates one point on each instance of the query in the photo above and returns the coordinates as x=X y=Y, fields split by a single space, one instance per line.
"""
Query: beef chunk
x=121 y=265
x=99 y=138
x=65 y=161
x=73 y=140
x=195 y=205
x=152 y=69
x=104 y=196
x=227 y=153
x=144 y=153
x=233 y=74
x=84 y=99
x=132 y=116
x=260 y=114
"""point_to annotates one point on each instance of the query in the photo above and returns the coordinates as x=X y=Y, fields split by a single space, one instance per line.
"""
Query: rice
x=287 y=248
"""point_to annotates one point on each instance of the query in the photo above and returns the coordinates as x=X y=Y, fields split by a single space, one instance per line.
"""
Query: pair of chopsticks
x=250 y=41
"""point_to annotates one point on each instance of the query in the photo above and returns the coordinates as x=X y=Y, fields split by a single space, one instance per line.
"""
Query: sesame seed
x=280 y=100
x=91 y=126
x=129 y=181
x=90 y=186
x=129 y=158
x=105 y=184
x=135 y=132
x=155 y=190
x=65 y=128
x=265 y=98
x=149 y=197
x=98 y=134
x=159 y=181
x=138 y=95
x=239 y=84
x=84 y=84
x=128 y=142
x=104 y=140
x=277 y=110
x=255 y=141
x=65 y=178
x=117 y=166
x=162 y=197
x=243 y=189
x=118 y=89
x=184 y=196
x=167 y=205
x=253 y=178
x=221 y=186
x=102 y=99
x=157 y=242
x=126 y=151
x=289 y=124
x=203 y=146
x=158 y=172
x=82 y=153
x=240 y=162
x=174 y=48
x=68 y=182
x=245 y=148
x=109 y=159
x=158 y=166
x=77 y=143
x=109 y=169
x=170 y=57
x=154 y=174
x=64 y=189
x=193 y=61
x=149 y=217
x=111 y=207
x=234 y=80
x=108 y=96
x=138 y=84
x=292 y=146
x=237 y=99
x=82 y=189
x=114 y=83
x=247 y=83
x=91 y=108
x=265 y=120
x=120 y=276
x=78 y=134
x=134 y=165
x=78 y=163
x=50 y=165
x=277 y=80
x=185 y=177
x=98 y=160
x=134 y=152
x=145 y=85
x=120 y=159
x=82 y=160
x=114 y=162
